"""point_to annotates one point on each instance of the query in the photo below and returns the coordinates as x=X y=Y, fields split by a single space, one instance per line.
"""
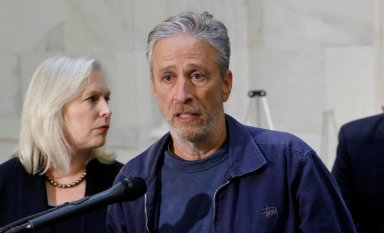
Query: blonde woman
x=64 y=124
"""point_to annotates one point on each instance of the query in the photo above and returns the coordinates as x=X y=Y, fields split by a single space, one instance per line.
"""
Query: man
x=359 y=171
x=210 y=173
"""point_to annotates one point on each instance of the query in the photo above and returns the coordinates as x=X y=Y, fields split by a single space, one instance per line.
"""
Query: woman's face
x=87 y=116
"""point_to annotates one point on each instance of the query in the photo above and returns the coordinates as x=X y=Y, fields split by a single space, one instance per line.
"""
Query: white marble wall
x=320 y=61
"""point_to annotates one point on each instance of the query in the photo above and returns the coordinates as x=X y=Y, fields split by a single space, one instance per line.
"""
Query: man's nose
x=183 y=90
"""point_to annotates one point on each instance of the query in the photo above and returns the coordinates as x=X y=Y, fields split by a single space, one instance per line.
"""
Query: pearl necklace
x=71 y=185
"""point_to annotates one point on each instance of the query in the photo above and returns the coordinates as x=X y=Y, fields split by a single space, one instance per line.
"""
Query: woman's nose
x=105 y=109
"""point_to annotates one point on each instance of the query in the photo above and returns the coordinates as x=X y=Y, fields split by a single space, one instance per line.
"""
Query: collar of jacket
x=244 y=154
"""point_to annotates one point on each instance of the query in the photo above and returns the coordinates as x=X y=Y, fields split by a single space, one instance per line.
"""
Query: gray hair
x=198 y=24
x=42 y=143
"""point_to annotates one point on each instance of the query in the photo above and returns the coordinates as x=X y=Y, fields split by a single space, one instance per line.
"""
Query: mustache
x=185 y=108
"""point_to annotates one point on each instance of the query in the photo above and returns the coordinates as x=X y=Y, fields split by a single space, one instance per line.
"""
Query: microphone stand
x=15 y=224
x=126 y=190
x=32 y=223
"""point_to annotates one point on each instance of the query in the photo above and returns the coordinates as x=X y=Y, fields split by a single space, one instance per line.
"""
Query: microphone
x=128 y=189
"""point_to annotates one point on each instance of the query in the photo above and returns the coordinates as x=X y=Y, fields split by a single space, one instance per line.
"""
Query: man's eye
x=198 y=76
x=168 y=78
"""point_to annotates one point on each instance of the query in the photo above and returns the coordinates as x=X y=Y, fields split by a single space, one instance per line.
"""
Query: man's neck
x=190 y=151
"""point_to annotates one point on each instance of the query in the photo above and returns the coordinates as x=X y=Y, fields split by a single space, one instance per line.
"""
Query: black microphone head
x=135 y=188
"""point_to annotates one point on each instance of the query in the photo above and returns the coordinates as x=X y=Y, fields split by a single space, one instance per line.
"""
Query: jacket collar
x=244 y=157
x=244 y=154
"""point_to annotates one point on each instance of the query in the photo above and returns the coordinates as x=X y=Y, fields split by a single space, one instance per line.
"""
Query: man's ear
x=227 y=85
x=153 y=85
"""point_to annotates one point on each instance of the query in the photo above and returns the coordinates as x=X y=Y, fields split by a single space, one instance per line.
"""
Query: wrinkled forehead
x=183 y=44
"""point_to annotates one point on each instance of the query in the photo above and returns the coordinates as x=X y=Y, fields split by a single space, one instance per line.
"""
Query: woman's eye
x=91 y=99
x=107 y=99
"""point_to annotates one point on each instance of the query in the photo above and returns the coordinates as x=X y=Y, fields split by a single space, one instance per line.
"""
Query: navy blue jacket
x=276 y=183
x=22 y=194
x=359 y=171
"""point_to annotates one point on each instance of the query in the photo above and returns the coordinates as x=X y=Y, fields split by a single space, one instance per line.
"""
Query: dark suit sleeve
x=342 y=171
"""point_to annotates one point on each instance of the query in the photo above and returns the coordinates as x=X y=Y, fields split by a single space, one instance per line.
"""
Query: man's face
x=188 y=87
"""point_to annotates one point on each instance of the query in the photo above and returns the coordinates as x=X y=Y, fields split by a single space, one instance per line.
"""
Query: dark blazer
x=22 y=194
x=359 y=171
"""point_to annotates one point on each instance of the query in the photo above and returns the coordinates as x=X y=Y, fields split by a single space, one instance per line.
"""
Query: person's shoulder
x=10 y=165
x=115 y=165
x=285 y=140
x=267 y=138
x=364 y=120
x=262 y=136
x=11 y=168
x=112 y=166
x=362 y=125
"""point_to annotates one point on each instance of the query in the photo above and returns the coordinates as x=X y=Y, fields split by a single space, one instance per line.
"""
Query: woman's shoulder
x=13 y=173
x=100 y=176
x=110 y=169
x=11 y=165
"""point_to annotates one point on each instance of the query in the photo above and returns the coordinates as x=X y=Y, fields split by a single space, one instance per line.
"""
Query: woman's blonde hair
x=42 y=143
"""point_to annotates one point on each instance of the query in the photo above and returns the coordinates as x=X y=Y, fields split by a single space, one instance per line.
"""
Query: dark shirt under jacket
x=22 y=194
x=359 y=171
